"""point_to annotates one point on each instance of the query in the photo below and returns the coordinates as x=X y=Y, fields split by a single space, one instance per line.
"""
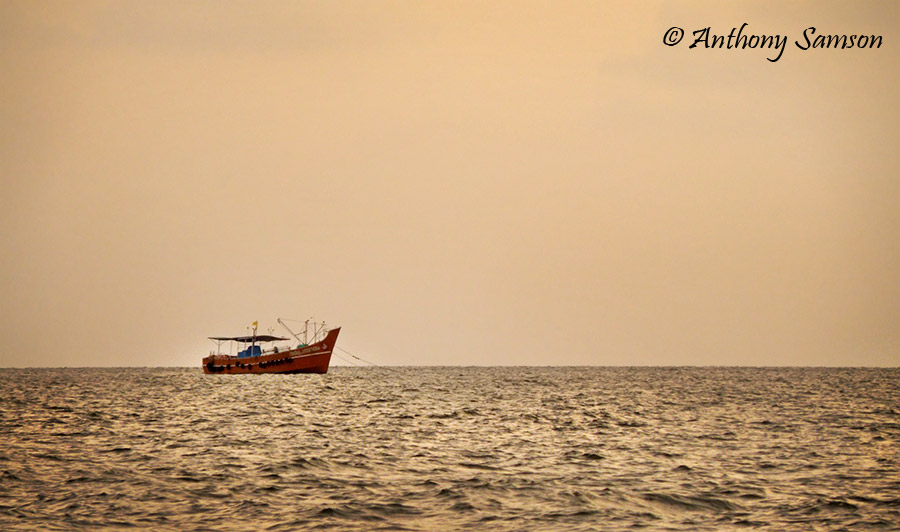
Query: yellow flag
x=255 y=324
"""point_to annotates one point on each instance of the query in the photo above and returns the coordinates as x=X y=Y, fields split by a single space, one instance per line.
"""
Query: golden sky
x=454 y=183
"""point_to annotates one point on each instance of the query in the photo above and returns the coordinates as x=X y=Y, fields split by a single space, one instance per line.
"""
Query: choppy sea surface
x=451 y=449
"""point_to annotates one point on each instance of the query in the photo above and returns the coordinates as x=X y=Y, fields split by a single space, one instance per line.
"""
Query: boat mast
x=283 y=324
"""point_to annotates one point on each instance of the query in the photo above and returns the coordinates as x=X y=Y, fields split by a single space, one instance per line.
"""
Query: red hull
x=313 y=358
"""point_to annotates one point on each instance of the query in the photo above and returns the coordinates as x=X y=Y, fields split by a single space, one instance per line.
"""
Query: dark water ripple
x=451 y=449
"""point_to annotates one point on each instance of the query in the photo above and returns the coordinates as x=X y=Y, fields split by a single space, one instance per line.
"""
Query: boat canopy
x=248 y=339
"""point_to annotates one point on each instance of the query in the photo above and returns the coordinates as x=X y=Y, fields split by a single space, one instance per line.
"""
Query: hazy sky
x=454 y=183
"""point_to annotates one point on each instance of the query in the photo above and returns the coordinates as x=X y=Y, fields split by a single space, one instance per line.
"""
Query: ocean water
x=451 y=449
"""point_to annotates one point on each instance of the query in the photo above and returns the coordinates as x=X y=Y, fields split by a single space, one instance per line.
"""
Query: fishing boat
x=264 y=353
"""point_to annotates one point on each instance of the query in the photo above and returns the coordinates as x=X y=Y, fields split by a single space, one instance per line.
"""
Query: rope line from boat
x=363 y=360
x=347 y=360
